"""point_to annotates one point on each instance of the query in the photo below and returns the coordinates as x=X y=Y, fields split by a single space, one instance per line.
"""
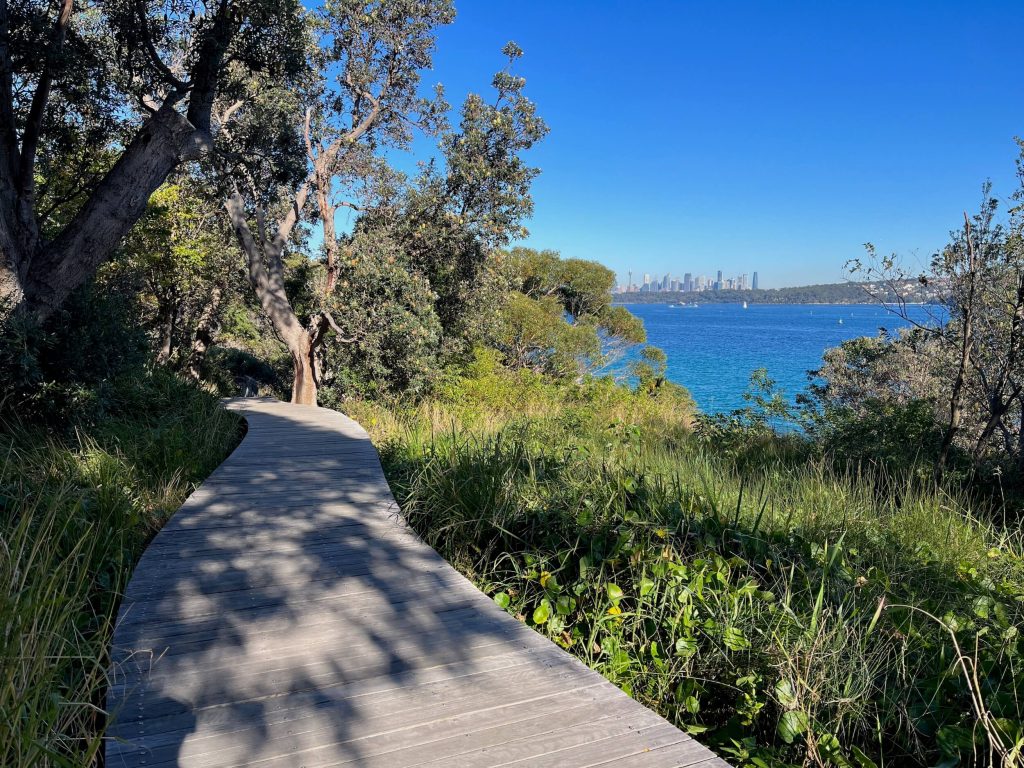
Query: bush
x=62 y=372
x=899 y=438
x=778 y=608
x=75 y=514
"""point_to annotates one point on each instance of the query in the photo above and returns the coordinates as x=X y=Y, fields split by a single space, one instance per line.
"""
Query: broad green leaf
x=692 y=704
x=503 y=600
x=614 y=593
x=785 y=694
x=686 y=647
x=542 y=612
x=792 y=724
x=734 y=639
x=862 y=760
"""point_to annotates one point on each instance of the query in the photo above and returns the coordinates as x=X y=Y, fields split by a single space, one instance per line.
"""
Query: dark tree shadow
x=287 y=616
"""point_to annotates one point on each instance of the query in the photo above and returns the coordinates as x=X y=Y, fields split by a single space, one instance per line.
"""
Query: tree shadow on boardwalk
x=286 y=616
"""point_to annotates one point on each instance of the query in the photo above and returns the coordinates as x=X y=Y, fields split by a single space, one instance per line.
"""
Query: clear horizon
x=743 y=137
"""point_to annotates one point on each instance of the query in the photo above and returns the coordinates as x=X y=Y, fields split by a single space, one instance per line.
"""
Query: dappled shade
x=287 y=616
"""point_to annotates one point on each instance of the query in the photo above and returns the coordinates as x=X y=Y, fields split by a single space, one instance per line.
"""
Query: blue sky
x=742 y=136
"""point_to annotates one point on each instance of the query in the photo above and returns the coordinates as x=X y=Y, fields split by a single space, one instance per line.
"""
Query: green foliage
x=390 y=334
x=456 y=215
x=181 y=261
x=558 y=317
x=755 y=602
x=585 y=287
x=535 y=334
x=901 y=438
x=63 y=371
x=649 y=368
x=75 y=514
x=972 y=362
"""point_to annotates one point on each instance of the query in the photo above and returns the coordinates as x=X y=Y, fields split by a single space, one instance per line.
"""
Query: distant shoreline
x=616 y=302
x=851 y=294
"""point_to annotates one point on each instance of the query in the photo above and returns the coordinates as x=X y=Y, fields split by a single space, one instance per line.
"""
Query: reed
x=788 y=611
x=78 y=507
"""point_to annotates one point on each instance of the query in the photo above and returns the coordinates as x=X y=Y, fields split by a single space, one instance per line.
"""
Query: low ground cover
x=77 y=505
x=787 y=611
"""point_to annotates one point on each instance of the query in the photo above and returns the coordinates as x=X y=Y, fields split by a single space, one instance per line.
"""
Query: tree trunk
x=266 y=275
x=327 y=212
x=206 y=331
x=38 y=275
x=1020 y=446
x=966 y=340
x=165 y=340
x=304 y=383
x=97 y=229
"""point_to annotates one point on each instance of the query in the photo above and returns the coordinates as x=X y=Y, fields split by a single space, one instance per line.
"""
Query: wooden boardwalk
x=285 y=616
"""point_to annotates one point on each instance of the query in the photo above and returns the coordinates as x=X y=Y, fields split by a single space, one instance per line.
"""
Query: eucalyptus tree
x=560 y=317
x=421 y=276
x=363 y=96
x=98 y=103
x=474 y=201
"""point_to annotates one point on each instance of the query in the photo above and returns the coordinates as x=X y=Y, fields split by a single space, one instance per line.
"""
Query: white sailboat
x=744 y=305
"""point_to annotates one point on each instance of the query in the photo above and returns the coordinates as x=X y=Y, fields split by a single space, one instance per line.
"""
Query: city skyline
x=686 y=282
x=838 y=157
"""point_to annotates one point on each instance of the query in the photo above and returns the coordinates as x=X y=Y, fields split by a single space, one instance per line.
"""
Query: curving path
x=286 y=617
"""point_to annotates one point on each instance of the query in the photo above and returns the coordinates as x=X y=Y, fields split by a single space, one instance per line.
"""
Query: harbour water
x=713 y=348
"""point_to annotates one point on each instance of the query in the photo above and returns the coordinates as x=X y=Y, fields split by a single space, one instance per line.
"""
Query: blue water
x=713 y=348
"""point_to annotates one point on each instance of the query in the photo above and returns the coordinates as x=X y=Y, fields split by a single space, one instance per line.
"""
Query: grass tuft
x=76 y=510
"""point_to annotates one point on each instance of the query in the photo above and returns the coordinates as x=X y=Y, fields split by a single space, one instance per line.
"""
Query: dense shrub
x=64 y=371
x=75 y=512
x=787 y=612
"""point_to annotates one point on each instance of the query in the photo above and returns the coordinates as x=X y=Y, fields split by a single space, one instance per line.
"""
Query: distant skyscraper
x=753 y=283
x=688 y=282
x=647 y=278
x=718 y=282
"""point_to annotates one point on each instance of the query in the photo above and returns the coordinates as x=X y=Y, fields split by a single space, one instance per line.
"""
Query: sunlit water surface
x=713 y=348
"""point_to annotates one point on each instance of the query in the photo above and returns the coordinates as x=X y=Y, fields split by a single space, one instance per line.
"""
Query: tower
x=753 y=281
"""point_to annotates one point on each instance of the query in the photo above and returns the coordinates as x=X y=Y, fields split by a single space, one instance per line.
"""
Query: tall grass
x=77 y=508
x=788 y=612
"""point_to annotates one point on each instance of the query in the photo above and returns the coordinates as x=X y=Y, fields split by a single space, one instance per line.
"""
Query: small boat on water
x=744 y=305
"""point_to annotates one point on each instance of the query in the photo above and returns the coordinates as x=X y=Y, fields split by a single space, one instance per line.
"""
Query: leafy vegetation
x=787 y=611
x=847 y=595
x=76 y=509
x=963 y=373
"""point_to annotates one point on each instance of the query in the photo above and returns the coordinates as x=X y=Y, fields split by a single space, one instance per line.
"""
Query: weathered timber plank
x=286 y=615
